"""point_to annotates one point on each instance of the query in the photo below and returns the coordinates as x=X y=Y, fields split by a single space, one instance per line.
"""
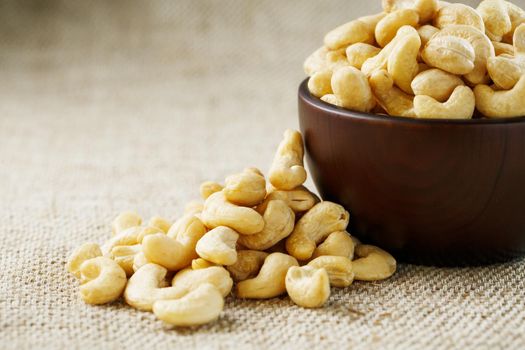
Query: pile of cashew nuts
x=426 y=59
x=267 y=239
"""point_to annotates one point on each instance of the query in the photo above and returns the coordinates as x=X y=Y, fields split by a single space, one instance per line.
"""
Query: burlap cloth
x=114 y=105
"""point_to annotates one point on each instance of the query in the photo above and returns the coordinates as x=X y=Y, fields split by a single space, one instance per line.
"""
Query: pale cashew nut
x=356 y=55
x=124 y=255
x=505 y=71
x=160 y=223
x=201 y=263
x=197 y=307
x=218 y=246
x=287 y=171
x=299 y=199
x=279 y=222
x=331 y=99
x=349 y=33
x=352 y=89
x=373 y=263
x=219 y=212
x=339 y=269
x=451 y=54
x=338 y=243
x=124 y=221
x=460 y=105
x=459 y=14
x=323 y=219
x=85 y=252
x=426 y=32
x=190 y=279
x=307 y=286
x=145 y=231
x=270 y=281
x=248 y=264
x=372 y=20
x=402 y=63
x=502 y=49
x=436 y=83
x=128 y=236
x=102 y=280
x=496 y=18
x=139 y=260
x=208 y=188
x=391 y=98
x=387 y=28
x=426 y=9
x=247 y=188
x=501 y=104
x=319 y=83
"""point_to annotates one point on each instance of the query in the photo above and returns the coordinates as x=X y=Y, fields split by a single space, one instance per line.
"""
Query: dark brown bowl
x=445 y=192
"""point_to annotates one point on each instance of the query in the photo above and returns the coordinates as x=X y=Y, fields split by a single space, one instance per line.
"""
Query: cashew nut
x=425 y=8
x=307 y=286
x=124 y=221
x=436 y=83
x=356 y=55
x=496 y=18
x=391 y=98
x=387 y=28
x=287 y=171
x=160 y=223
x=451 y=54
x=219 y=212
x=197 y=307
x=247 y=188
x=124 y=255
x=270 y=282
x=279 y=222
x=331 y=99
x=347 y=34
x=190 y=279
x=373 y=263
x=323 y=219
x=78 y=256
x=460 y=105
x=201 y=263
x=402 y=63
x=459 y=14
x=426 y=32
x=102 y=280
x=502 y=49
x=339 y=269
x=319 y=83
x=501 y=104
x=139 y=260
x=248 y=264
x=218 y=246
x=337 y=243
x=352 y=89
x=208 y=188
x=506 y=71
x=517 y=17
x=299 y=199
x=143 y=232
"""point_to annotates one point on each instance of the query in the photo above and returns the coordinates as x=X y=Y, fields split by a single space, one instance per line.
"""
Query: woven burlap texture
x=113 y=105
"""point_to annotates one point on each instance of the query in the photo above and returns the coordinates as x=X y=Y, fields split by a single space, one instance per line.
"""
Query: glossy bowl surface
x=444 y=192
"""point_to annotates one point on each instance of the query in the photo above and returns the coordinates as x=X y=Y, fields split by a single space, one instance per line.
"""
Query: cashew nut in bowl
x=331 y=99
x=279 y=222
x=426 y=32
x=247 y=188
x=426 y=9
x=402 y=63
x=451 y=54
x=459 y=14
x=323 y=219
x=505 y=71
x=307 y=286
x=219 y=212
x=160 y=223
x=208 y=188
x=78 y=256
x=356 y=55
x=248 y=264
x=218 y=246
x=339 y=269
x=201 y=263
x=190 y=279
x=124 y=255
x=197 y=307
x=391 y=98
x=436 y=83
x=496 y=17
x=349 y=33
x=387 y=28
x=352 y=89
x=287 y=171
x=501 y=104
x=124 y=221
x=270 y=282
x=102 y=280
x=338 y=243
x=299 y=199
x=372 y=263
x=460 y=105
x=319 y=83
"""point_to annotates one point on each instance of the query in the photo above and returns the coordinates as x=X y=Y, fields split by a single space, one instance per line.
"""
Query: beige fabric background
x=114 y=105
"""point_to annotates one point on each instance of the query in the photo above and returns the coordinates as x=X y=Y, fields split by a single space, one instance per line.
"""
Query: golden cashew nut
x=307 y=286
x=451 y=54
x=357 y=54
x=248 y=264
x=502 y=49
x=287 y=171
x=331 y=99
x=426 y=9
x=208 y=188
x=505 y=71
x=270 y=281
x=339 y=269
x=314 y=226
x=352 y=89
x=102 y=280
x=373 y=263
x=247 y=188
x=402 y=63
x=218 y=246
x=78 y=256
x=496 y=18
x=319 y=83
x=387 y=28
x=517 y=17
x=426 y=32
x=124 y=221
x=349 y=33
x=501 y=104
x=299 y=199
x=459 y=14
x=460 y=105
x=391 y=98
x=190 y=279
x=338 y=243
x=436 y=83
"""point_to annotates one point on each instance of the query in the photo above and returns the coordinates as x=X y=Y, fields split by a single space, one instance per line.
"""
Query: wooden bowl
x=444 y=192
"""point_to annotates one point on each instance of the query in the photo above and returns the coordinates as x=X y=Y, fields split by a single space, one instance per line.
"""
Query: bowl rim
x=306 y=96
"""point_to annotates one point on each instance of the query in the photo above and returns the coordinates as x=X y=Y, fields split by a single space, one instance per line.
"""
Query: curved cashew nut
x=349 y=33
x=506 y=71
x=451 y=54
x=248 y=264
x=373 y=263
x=279 y=222
x=124 y=221
x=357 y=54
x=124 y=255
x=459 y=14
x=425 y=8
x=496 y=18
x=501 y=104
x=331 y=99
x=338 y=243
x=387 y=28
x=402 y=63
x=197 y=307
x=287 y=171
x=517 y=17
x=160 y=223
x=247 y=188
x=460 y=105
x=323 y=219
x=130 y=236
x=218 y=246
x=426 y=32
x=101 y=280
x=319 y=83
x=139 y=260
x=299 y=199
x=307 y=286
x=352 y=89
x=391 y=98
x=78 y=256
x=270 y=282
x=436 y=83
x=339 y=269
x=208 y=188
x=190 y=279
x=200 y=263
x=219 y=212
